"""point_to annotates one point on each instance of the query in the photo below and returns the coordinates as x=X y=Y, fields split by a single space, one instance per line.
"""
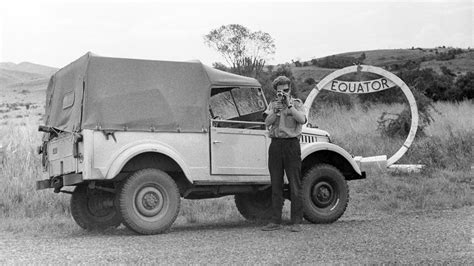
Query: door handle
x=216 y=141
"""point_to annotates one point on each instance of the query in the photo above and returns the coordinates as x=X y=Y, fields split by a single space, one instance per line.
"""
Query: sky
x=55 y=33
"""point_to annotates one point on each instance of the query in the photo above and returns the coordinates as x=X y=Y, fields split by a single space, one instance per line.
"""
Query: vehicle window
x=223 y=106
x=241 y=107
x=248 y=100
x=68 y=100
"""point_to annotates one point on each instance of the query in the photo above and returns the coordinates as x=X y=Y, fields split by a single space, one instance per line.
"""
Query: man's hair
x=280 y=80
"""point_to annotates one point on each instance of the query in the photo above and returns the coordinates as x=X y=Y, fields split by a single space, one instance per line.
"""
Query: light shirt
x=285 y=125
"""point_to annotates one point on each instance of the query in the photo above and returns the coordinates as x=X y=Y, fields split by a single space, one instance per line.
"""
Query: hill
x=462 y=64
x=23 y=90
x=458 y=61
x=29 y=68
x=25 y=73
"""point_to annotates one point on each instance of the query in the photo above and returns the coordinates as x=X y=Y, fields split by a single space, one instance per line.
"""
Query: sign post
x=387 y=81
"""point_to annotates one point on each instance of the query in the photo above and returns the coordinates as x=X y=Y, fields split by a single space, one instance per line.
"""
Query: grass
x=447 y=150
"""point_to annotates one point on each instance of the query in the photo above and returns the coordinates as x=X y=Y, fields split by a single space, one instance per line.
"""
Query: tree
x=244 y=50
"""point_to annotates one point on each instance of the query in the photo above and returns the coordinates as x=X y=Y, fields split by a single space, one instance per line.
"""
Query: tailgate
x=60 y=153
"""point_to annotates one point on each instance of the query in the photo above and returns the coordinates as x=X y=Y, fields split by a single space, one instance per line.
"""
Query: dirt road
x=433 y=237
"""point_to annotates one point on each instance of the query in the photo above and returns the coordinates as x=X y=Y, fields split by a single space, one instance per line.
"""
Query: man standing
x=284 y=120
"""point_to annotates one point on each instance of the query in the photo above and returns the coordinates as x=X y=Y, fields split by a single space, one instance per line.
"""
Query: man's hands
x=281 y=103
x=278 y=107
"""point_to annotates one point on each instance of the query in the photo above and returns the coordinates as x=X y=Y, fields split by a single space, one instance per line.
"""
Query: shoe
x=271 y=227
x=295 y=228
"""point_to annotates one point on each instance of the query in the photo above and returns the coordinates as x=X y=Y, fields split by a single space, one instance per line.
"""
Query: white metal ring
x=380 y=71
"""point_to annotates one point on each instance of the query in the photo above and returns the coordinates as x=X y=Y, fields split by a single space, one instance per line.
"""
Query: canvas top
x=105 y=93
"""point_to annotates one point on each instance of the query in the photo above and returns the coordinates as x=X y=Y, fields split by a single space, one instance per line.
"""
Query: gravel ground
x=417 y=237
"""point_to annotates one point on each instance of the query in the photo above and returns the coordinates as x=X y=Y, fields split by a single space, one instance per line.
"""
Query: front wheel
x=149 y=201
x=325 y=194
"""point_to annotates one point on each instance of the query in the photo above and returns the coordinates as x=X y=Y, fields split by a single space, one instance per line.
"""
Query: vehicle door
x=238 y=138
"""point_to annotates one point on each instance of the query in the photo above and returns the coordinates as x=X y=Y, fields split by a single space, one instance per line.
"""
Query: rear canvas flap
x=64 y=96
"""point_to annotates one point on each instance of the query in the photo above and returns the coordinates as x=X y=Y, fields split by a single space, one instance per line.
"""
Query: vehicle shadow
x=175 y=229
x=219 y=226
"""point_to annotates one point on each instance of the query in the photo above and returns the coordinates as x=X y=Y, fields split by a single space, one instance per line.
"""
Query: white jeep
x=136 y=136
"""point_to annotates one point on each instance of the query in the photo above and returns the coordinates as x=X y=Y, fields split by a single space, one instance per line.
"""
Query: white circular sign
x=387 y=81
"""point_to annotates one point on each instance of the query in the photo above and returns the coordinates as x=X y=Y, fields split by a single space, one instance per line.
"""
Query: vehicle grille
x=308 y=138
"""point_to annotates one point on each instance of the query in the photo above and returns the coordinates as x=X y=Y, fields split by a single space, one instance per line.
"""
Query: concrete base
x=406 y=168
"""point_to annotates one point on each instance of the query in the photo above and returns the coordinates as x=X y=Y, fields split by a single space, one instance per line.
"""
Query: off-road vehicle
x=135 y=136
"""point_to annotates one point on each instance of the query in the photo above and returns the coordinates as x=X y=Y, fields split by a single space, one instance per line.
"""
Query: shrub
x=310 y=81
x=428 y=82
x=464 y=88
x=327 y=98
x=398 y=125
x=337 y=61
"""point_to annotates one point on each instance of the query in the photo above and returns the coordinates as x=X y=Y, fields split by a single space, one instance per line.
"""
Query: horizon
x=278 y=63
x=56 y=33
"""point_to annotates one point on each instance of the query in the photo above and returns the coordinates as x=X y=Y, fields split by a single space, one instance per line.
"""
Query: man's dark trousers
x=284 y=155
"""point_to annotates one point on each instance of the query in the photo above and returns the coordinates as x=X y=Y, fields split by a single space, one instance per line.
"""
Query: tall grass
x=447 y=150
x=448 y=142
x=20 y=168
x=355 y=129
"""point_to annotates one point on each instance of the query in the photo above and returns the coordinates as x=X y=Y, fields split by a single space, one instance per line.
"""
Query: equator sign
x=357 y=87
x=388 y=80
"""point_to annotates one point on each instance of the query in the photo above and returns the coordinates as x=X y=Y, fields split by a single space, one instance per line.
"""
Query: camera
x=281 y=96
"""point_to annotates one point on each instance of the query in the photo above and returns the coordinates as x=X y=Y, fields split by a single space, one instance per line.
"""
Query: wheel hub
x=322 y=194
x=149 y=201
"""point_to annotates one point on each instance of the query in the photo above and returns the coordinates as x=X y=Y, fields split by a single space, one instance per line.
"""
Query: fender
x=310 y=148
x=133 y=149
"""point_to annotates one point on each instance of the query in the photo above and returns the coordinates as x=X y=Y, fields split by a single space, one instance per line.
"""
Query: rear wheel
x=94 y=209
x=325 y=194
x=256 y=206
x=149 y=201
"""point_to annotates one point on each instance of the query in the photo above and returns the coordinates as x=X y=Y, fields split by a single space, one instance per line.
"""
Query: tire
x=325 y=194
x=255 y=207
x=149 y=201
x=94 y=209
